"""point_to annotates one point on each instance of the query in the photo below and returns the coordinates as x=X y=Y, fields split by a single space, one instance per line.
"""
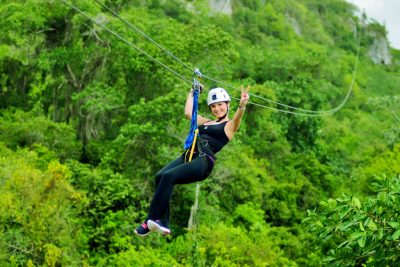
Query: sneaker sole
x=153 y=226
x=141 y=234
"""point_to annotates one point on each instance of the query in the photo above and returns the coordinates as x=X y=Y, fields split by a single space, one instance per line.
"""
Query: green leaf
x=372 y=226
x=396 y=235
x=361 y=241
x=324 y=203
x=5 y=50
x=329 y=258
x=367 y=221
x=394 y=225
x=343 y=213
x=382 y=196
x=380 y=234
x=342 y=244
x=346 y=225
x=356 y=202
x=357 y=235
x=380 y=210
x=332 y=203
x=361 y=227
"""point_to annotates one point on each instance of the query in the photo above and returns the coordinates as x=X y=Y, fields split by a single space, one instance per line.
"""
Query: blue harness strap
x=193 y=122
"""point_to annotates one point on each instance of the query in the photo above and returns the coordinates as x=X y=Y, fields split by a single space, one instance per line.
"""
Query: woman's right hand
x=201 y=87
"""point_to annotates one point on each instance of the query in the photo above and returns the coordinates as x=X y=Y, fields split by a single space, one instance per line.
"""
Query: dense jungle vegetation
x=86 y=121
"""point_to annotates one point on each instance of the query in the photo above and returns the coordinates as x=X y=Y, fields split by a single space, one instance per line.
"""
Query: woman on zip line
x=214 y=135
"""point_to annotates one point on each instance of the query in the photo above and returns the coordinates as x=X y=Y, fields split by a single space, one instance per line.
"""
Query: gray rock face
x=295 y=25
x=221 y=6
x=379 y=51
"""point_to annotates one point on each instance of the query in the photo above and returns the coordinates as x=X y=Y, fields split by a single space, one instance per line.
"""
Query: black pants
x=177 y=172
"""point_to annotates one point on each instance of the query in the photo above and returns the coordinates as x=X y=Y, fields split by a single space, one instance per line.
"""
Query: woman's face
x=219 y=109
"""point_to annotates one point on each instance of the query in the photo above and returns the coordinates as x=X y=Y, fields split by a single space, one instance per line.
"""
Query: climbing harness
x=289 y=109
x=193 y=136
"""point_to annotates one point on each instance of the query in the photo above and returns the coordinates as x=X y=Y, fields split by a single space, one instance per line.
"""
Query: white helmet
x=217 y=95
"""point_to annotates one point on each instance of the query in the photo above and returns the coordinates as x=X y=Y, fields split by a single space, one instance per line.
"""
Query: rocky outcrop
x=221 y=6
x=295 y=25
x=379 y=51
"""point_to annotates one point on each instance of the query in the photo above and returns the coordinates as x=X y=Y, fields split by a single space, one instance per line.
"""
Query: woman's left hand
x=245 y=95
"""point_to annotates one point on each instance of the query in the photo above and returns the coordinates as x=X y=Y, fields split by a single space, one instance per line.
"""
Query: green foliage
x=301 y=182
x=111 y=206
x=142 y=257
x=142 y=138
x=360 y=231
x=26 y=129
x=338 y=20
x=396 y=60
x=24 y=27
x=236 y=185
x=255 y=23
x=70 y=92
x=385 y=163
x=222 y=245
x=377 y=28
x=38 y=223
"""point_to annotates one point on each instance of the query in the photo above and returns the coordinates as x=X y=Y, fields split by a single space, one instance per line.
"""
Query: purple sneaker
x=157 y=226
x=142 y=230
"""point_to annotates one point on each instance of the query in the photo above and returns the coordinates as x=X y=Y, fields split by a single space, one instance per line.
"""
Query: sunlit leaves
x=37 y=220
x=366 y=230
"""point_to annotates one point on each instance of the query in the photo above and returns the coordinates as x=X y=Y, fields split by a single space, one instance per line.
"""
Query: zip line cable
x=124 y=40
x=303 y=112
x=266 y=99
x=312 y=112
x=185 y=65
x=144 y=35
x=283 y=110
x=325 y=112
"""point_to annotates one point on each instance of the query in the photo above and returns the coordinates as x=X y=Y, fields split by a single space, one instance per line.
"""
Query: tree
x=354 y=232
x=38 y=212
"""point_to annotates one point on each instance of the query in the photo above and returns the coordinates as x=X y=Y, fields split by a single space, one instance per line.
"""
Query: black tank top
x=215 y=135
